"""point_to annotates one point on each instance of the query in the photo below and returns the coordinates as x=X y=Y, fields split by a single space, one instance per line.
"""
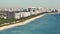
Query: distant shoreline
x=22 y=23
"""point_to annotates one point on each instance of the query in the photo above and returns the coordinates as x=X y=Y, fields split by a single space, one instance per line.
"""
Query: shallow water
x=48 y=24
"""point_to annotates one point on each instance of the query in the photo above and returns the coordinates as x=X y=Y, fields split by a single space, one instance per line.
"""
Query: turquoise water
x=49 y=24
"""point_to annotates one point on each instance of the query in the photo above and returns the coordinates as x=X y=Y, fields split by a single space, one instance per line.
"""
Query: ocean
x=48 y=24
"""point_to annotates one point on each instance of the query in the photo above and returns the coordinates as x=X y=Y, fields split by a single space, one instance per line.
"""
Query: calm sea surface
x=48 y=24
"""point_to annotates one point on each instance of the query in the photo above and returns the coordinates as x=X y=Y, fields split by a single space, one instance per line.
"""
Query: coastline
x=22 y=23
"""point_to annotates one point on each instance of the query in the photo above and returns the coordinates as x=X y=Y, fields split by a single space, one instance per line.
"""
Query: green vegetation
x=5 y=22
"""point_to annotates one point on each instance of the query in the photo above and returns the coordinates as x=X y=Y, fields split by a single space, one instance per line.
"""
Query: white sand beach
x=22 y=23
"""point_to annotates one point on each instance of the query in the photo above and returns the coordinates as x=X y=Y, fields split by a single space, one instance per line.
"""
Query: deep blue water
x=48 y=24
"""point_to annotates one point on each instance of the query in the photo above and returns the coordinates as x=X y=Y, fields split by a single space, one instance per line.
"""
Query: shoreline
x=22 y=23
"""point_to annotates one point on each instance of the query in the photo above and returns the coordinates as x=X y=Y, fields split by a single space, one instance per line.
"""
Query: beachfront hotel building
x=14 y=13
x=58 y=10
x=18 y=13
x=54 y=10
x=35 y=10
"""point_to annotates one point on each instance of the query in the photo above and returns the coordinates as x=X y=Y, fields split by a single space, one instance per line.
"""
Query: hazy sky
x=30 y=3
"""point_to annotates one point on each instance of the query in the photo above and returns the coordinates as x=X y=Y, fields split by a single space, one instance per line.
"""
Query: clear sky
x=30 y=3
